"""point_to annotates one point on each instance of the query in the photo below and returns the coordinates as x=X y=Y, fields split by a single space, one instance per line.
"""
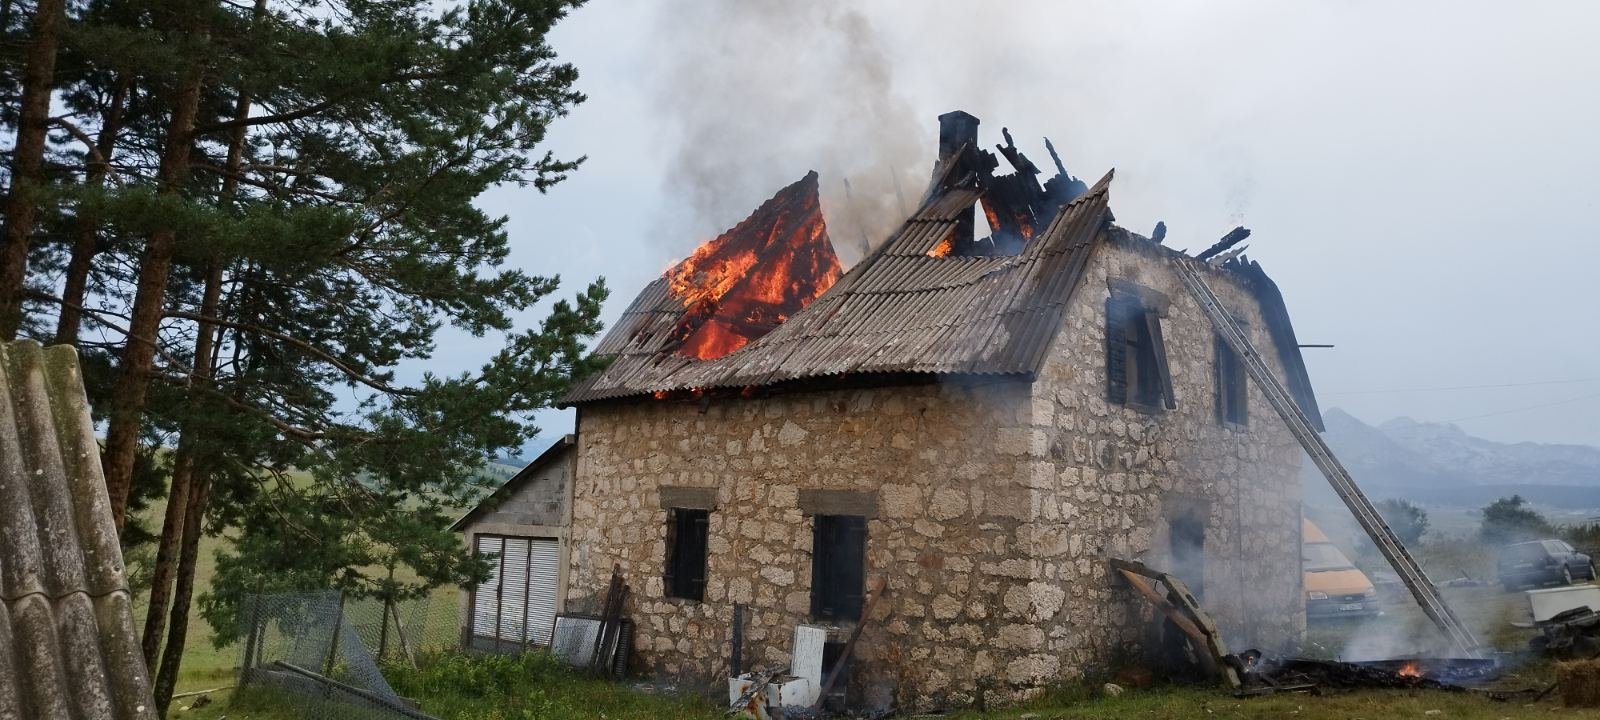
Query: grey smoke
x=751 y=95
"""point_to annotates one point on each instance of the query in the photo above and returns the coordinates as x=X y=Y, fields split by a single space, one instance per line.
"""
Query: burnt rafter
x=1234 y=237
x=1015 y=205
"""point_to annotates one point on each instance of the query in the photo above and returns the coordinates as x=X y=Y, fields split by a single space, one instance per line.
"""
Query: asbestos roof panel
x=68 y=650
x=898 y=311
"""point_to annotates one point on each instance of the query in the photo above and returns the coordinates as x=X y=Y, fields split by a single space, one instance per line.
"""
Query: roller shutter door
x=516 y=607
x=544 y=572
x=486 y=598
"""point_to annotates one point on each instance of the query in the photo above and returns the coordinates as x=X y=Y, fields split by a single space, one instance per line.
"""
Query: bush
x=1586 y=537
x=1509 y=520
x=1407 y=520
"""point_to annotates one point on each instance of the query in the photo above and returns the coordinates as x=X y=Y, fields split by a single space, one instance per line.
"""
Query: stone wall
x=996 y=506
x=938 y=457
x=1113 y=477
x=540 y=496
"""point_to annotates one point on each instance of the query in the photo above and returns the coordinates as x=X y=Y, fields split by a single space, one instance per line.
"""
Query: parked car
x=1541 y=562
x=1334 y=587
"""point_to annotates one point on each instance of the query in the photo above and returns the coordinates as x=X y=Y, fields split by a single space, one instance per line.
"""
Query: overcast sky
x=1419 y=177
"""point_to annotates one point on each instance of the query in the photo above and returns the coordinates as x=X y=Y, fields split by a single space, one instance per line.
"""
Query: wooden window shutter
x=853 y=567
x=669 y=578
x=821 y=566
x=1158 y=348
x=1219 y=378
x=1116 y=346
x=700 y=523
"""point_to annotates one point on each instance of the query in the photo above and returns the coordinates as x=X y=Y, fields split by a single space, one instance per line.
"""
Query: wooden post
x=400 y=631
x=383 y=630
x=850 y=645
x=333 y=644
x=251 y=638
x=736 y=660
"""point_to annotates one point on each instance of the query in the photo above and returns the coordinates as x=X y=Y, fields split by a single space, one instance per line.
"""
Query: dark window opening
x=1232 y=392
x=838 y=567
x=1188 y=541
x=1136 y=355
x=686 y=552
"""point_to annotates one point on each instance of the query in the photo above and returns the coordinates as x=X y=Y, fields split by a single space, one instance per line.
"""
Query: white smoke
x=754 y=93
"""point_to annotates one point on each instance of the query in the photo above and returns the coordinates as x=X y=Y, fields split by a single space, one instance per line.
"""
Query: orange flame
x=747 y=281
x=990 y=215
x=1409 y=670
x=944 y=248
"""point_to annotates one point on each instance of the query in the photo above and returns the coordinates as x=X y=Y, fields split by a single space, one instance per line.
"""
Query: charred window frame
x=687 y=531
x=1137 y=374
x=1233 y=390
x=838 y=567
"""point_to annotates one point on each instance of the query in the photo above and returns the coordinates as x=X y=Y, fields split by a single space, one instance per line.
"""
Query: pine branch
x=324 y=355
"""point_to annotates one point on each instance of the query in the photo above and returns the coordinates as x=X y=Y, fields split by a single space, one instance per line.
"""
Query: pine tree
x=284 y=199
x=28 y=156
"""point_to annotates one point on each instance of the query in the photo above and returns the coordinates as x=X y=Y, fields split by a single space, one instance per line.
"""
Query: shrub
x=1407 y=520
x=1509 y=520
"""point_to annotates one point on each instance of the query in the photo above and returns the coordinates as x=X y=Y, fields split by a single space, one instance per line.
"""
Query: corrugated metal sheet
x=68 y=650
x=897 y=311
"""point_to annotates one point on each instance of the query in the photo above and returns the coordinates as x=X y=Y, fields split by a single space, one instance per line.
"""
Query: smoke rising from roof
x=754 y=94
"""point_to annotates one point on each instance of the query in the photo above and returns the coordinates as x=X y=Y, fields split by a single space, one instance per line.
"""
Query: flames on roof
x=745 y=282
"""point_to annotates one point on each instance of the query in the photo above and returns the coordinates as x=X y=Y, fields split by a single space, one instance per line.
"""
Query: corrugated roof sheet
x=897 y=311
x=68 y=650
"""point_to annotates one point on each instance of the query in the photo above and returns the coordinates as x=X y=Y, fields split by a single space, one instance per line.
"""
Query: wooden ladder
x=1300 y=426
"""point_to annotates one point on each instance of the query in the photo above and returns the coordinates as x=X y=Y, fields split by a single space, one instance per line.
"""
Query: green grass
x=554 y=694
x=1162 y=703
x=204 y=666
x=456 y=686
x=461 y=687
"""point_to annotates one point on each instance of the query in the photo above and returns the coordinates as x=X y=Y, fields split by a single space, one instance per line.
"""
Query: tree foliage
x=1510 y=520
x=257 y=222
x=1405 y=518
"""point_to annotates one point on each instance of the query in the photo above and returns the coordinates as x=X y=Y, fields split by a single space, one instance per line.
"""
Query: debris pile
x=1251 y=673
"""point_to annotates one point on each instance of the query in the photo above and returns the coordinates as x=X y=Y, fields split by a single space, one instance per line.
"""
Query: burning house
x=976 y=423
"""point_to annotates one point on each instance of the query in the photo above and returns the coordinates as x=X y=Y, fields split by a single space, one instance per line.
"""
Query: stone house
x=977 y=424
x=524 y=526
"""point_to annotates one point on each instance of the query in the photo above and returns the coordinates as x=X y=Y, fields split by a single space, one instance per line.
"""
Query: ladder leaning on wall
x=1300 y=426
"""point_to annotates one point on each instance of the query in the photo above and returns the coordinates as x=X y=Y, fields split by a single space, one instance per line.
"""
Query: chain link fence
x=319 y=652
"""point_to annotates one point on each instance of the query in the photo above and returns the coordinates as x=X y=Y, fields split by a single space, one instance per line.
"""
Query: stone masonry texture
x=998 y=502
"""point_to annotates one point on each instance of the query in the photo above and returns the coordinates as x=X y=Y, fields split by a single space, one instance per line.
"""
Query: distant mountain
x=1441 y=464
x=528 y=452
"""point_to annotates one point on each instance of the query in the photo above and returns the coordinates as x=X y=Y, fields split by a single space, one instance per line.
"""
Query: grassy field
x=504 y=688
x=204 y=666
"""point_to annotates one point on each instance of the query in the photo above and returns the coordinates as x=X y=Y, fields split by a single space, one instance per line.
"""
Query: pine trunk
x=86 y=245
x=175 y=524
x=155 y=617
x=138 y=358
x=177 y=637
x=27 y=169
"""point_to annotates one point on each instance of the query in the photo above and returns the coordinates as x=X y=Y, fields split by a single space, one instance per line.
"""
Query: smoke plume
x=755 y=93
